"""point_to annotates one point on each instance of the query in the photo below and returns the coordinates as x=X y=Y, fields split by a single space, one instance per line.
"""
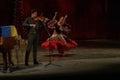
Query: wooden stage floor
x=91 y=58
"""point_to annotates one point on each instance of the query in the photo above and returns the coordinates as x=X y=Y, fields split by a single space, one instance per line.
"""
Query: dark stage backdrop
x=90 y=19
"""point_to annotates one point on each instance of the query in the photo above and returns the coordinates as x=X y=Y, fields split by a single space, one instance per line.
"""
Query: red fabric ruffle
x=56 y=43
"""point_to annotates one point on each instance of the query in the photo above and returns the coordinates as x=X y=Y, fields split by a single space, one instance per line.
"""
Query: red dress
x=60 y=42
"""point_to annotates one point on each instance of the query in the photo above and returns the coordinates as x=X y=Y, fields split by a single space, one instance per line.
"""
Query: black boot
x=26 y=64
x=35 y=62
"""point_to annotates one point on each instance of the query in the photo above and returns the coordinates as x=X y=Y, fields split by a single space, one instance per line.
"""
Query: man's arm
x=26 y=23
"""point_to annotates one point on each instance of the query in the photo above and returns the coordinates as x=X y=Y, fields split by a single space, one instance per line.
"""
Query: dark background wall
x=90 y=19
x=114 y=19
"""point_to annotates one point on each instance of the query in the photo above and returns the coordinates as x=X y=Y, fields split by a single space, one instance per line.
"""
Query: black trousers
x=32 y=43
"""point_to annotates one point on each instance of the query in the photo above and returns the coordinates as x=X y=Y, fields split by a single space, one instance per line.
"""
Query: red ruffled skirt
x=59 y=43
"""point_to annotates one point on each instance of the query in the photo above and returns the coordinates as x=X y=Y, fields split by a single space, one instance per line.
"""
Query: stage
x=94 y=25
x=92 y=58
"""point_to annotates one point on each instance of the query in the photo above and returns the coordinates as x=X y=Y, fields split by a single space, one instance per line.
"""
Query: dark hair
x=33 y=10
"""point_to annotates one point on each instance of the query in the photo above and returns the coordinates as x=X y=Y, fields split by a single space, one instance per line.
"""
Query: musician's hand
x=33 y=25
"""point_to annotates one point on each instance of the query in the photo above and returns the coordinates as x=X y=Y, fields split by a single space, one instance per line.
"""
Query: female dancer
x=58 y=40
